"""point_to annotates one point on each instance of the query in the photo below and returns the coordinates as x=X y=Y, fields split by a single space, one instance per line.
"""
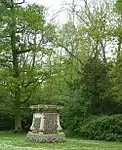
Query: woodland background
x=77 y=64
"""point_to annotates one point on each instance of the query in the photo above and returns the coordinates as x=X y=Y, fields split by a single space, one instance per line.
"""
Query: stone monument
x=46 y=124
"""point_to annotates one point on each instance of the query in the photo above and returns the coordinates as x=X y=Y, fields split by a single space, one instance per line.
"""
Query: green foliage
x=24 y=35
x=102 y=128
x=116 y=74
x=118 y=6
x=65 y=64
x=75 y=111
x=6 y=117
x=90 y=94
x=97 y=83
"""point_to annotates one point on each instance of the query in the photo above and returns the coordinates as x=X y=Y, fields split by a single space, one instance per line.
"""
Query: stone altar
x=46 y=124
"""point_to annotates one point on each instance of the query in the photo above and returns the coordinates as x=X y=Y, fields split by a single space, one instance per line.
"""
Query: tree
x=116 y=71
x=24 y=35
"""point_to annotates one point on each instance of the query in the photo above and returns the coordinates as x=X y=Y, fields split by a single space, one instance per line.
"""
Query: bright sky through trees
x=54 y=7
x=53 y=3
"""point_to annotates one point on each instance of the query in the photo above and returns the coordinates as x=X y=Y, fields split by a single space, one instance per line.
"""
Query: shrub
x=6 y=119
x=102 y=128
x=75 y=112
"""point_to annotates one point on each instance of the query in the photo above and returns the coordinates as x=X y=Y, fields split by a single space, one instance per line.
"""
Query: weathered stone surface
x=50 y=123
x=46 y=125
x=33 y=137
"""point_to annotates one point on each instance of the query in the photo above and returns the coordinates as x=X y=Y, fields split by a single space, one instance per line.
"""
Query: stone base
x=43 y=138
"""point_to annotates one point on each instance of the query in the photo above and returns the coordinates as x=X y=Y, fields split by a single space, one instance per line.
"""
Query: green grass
x=10 y=141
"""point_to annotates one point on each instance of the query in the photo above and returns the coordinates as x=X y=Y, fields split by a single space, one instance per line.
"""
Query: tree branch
x=29 y=95
x=21 y=52
x=21 y=2
x=5 y=65
x=66 y=49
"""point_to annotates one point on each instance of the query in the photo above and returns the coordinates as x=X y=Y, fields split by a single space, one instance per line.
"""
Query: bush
x=6 y=124
x=75 y=112
x=102 y=128
x=6 y=119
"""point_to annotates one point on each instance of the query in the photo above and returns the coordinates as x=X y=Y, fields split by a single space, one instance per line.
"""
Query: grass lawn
x=10 y=141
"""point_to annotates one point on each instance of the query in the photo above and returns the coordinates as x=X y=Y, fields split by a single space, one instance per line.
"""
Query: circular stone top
x=46 y=107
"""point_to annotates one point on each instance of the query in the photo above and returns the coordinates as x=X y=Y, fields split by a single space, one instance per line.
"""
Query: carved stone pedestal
x=46 y=125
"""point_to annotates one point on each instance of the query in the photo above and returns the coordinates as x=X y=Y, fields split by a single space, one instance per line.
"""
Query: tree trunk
x=119 y=49
x=17 y=112
x=15 y=62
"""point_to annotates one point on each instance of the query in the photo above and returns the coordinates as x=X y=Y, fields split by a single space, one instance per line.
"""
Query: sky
x=52 y=3
x=54 y=7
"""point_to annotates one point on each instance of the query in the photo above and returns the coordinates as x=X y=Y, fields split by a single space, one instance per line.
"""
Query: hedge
x=107 y=128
